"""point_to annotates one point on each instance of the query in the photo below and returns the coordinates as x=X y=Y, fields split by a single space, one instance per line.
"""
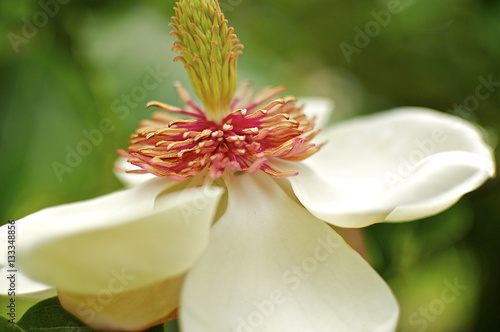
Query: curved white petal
x=398 y=165
x=272 y=266
x=120 y=169
x=24 y=286
x=321 y=108
x=130 y=238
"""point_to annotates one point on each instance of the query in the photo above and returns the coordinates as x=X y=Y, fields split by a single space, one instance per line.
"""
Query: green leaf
x=171 y=326
x=48 y=315
x=157 y=328
x=6 y=326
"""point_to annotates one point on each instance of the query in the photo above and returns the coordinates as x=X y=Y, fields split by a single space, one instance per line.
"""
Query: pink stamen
x=245 y=141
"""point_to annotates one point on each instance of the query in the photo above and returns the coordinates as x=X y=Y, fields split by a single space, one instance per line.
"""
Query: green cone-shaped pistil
x=209 y=50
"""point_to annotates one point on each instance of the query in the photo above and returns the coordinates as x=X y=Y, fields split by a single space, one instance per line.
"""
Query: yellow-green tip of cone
x=209 y=50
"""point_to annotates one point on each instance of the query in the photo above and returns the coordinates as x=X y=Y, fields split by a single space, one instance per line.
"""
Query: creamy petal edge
x=358 y=181
x=106 y=242
x=272 y=266
x=126 y=310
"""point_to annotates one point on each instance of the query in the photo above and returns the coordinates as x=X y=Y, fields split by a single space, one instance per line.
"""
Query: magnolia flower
x=228 y=220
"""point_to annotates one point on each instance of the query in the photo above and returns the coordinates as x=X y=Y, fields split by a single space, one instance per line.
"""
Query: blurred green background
x=76 y=76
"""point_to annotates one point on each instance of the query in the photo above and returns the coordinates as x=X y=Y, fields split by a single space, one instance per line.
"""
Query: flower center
x=230 y=131
x=247 y=139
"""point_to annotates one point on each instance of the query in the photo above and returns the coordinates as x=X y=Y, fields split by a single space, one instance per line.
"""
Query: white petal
x=272 y=266
x=24 y=286
x=129 y=238
x=399 y=165
x=120 y=169
x=321 y=108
